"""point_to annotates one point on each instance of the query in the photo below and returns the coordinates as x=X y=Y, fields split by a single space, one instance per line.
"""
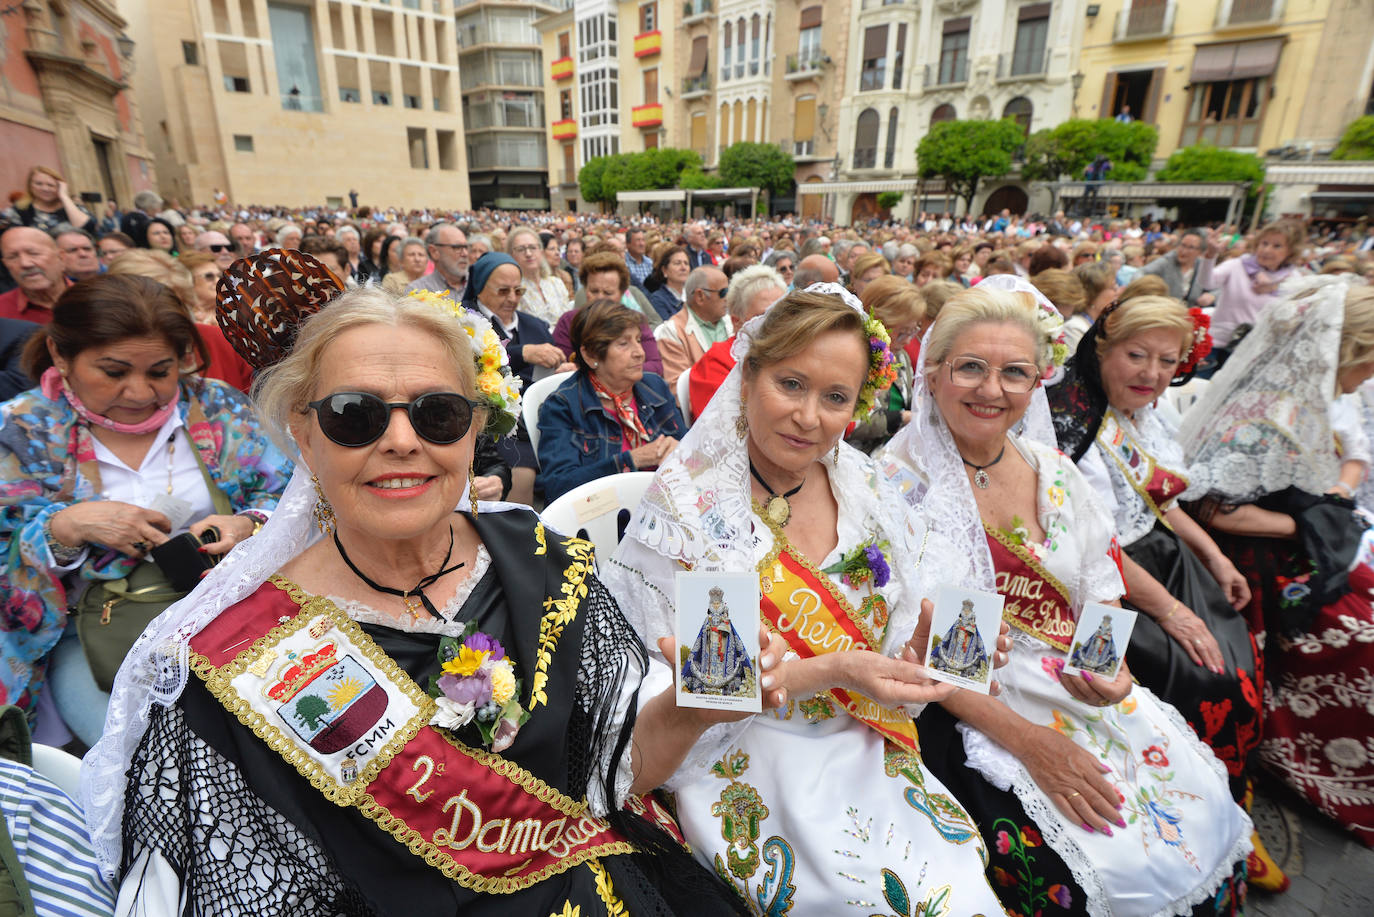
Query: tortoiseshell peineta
x=264 y=298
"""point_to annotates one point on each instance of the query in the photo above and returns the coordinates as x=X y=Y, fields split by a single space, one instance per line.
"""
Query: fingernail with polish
x=201 y=549
x=767 y=682
x=1121 y=822
x=766 y=660
x=1107 y=831
x=1087 y=827
x=1087 y=676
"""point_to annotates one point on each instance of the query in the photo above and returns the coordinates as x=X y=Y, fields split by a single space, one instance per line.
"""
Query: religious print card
x=718 y=641
x=963 y=637
x=1099 y=641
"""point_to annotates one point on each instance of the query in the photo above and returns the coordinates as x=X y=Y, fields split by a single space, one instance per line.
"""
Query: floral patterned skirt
x=1225 y=709
x=1319 y=687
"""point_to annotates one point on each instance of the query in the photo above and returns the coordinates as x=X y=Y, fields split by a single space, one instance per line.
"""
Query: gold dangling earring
x=837 y=450
x=741 y=422
x=472 y=486
x=323 y=511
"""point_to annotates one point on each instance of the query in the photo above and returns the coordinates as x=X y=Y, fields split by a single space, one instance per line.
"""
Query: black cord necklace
x=980 y=472
x=778 y=508
x=414 y=597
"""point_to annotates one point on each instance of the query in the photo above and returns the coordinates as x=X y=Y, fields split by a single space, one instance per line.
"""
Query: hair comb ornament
x=262 y=300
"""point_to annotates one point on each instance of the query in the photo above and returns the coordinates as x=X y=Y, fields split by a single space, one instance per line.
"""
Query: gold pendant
x=779 y=510
x=413 y=606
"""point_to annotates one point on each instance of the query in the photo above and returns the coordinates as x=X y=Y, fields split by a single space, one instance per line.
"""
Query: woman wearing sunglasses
x=397 y=702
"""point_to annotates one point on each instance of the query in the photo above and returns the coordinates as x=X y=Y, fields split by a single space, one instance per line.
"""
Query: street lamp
x=1077 y=80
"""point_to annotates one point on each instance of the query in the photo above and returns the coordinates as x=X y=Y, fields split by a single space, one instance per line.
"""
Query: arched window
x=890 y=156
x=1020 y=109
x=866 y=140
x=944 y=112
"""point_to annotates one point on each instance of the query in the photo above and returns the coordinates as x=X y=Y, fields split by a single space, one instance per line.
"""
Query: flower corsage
x=866 y=565
x=478 y=688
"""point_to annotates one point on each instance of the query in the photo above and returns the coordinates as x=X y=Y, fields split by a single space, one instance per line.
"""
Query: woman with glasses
x=546 y=297
x=400 y=702
x=1094 y=797
x=785 y=263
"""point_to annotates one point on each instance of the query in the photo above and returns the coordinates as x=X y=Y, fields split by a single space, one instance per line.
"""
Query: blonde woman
x=545 y=297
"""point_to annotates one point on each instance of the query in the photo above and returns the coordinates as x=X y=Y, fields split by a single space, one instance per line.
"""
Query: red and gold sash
x=803 y=605
x=323 y=695
x=1036 y=602
x=1156 y=485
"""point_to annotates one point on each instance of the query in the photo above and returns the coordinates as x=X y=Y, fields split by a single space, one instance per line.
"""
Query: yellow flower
x=466 y=662
x=489 y=383
x=1128 y=705
x=1057 y=496
x=1061 y=725
x=502 y=683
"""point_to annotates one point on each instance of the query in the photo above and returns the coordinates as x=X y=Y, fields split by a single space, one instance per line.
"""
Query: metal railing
x=804 y=62
x=693 y=9
x=1014 y=65
x=699 y=83
x=930 y=75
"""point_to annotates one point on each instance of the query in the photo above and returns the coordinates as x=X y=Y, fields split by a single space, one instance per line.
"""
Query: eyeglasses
x=506 y=291
x=458 y=248
x=786 y=269
x=971 y=372
x=218 y=247
x=720 y=292
x=355 y=419
x=526 y=250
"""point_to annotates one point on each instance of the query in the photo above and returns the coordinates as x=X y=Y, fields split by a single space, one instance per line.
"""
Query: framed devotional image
x=963 y=637
x=1100 y=640
x=718 y=641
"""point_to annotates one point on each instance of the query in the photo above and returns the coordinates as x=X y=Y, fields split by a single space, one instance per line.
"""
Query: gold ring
x=1072 y=795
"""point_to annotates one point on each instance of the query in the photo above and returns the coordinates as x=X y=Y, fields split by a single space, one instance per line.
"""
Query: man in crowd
x=217 y=244
x=353 y=244
x=636 y=259
x=683 y=338
x=289 y=236
x=134 y=224
x=696 y=246
x=35 y=263
x=815 y=269
x=332 y=254
x=448 y=249
x=751 y=292
x=1188 y=268
x=80 y=261
x=244 y=239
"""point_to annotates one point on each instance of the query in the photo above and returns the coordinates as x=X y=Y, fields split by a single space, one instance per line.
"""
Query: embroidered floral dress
x=47 y=463
x=1184 y=837
x=807 y=810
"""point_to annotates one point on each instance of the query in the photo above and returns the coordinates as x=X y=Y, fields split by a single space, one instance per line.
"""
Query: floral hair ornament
x=1201 y=347
x=1051 y=323
x=498 y=387
x=882 y=368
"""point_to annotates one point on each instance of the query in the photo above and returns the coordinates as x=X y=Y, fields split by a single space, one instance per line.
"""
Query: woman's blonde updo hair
x=792 y=323
x=978 y=306
x=283 y=391
x=159 y=266
x=1142 y=314
x=894 y=301
x=1357 y=329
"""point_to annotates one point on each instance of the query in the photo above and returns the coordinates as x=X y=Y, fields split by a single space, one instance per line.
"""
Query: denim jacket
x=580 y=441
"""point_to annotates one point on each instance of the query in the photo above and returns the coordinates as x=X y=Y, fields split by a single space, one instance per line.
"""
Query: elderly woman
x=1114 y=806
x=867 y=268
x=667 y=285
x=1275 y=470
x=545 y=297
x=1244 y=286
x=414 y=256
x=933 y=265
x=47 y=204
x=784 y=262
x=118 y=449
x=495 y=291
x=901 y=308
x=1190 y=645
x=610 y=416
x=205 y=273
x=346 y=787
x=763 y=485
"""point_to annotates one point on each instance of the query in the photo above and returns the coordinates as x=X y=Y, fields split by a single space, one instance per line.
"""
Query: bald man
x=217 y=244
x=815 y=269
x=35 y=263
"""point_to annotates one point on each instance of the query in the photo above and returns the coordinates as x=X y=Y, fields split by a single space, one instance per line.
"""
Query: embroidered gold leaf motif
x=605 y=891
x=539 y=537
x=569 y=910
x=559 y=612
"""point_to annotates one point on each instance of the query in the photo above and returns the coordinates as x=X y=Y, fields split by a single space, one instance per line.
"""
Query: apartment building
x=294 y=102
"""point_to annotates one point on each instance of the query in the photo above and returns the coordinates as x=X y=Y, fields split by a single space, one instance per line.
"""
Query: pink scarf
x=54 y=386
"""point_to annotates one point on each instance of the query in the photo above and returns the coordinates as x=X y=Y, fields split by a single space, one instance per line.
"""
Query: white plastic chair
x=532 y=397
x=62 y=768
x=684 y=396
x=1187 y=395
x=599 y=511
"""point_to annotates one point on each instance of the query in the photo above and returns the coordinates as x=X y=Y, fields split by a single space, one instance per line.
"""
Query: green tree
x=1358 y=140
x=889 y=199
x=1067 y=149
x=589 y=179
x=697 y=180
x=962 y=152
x=309 y=709
x=1204 y=162
x=757 y=165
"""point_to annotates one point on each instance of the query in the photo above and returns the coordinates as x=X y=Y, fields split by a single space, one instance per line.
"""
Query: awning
x=698 y=62
x=1239 y=60
x=723 y=193
x=961 y=24
x=1320 y=173
x=1156 y=191
x=810 y=17
x=650 y=197
x=1033 y=11
x=1342 y=195
x=855 y=187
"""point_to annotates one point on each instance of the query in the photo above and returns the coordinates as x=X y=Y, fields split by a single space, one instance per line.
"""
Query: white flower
x=1333 y=637
x=1303 y=705
x=452 y=715
x=1346 y=752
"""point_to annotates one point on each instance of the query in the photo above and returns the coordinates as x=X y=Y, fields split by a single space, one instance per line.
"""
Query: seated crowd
x=270 y=560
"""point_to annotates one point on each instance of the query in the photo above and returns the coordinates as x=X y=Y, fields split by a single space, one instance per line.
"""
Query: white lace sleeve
x=1094 y=471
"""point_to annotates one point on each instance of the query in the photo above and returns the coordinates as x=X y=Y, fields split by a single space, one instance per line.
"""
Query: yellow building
x=1250 y=75
x=297 y=103
x=606 y=85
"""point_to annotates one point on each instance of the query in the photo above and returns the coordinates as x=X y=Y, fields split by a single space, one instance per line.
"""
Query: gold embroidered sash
x=804 y=606
x=1156 y=485
x=1036 y=602
x=314 y=686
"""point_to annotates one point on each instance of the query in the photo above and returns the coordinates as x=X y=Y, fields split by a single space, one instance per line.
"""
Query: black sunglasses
x=356 y=419
x=217 y=247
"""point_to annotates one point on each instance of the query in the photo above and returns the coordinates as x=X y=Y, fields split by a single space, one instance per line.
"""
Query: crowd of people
x=272 y=560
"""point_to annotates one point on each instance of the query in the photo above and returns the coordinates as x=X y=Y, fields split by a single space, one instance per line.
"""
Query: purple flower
x=878 y=564
x=480 y=642
x=467 y=689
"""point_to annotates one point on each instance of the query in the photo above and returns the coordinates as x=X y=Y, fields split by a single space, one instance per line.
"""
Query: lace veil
x=1264 y=421
x=697 y=514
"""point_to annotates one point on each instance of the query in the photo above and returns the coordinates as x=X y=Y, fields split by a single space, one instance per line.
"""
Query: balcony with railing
x=649 y=115
x=694 y=87
x=1145 y=20
x=933 y=76
x=866 y=157
x=564 y=130
x=805 y=65
x=694 y=11
x=1245 y=13
x=561 y=69
x=879 y=4
x=1018 y=66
